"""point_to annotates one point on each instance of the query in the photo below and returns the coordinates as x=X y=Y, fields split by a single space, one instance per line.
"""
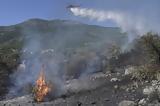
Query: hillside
x=59 y=34
x=63 y=36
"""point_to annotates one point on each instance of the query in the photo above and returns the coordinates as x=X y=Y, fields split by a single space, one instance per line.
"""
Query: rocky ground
x=110 y=89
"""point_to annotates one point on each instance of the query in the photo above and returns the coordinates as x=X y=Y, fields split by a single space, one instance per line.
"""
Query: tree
x=151 y=43
x=114 y=51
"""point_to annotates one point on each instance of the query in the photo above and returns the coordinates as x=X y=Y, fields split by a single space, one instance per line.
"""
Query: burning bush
x=41 y=88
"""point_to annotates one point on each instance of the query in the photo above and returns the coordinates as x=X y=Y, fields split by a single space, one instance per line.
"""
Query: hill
x=61 y=35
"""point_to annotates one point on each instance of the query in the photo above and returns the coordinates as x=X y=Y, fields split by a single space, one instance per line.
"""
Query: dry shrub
x=146 y=72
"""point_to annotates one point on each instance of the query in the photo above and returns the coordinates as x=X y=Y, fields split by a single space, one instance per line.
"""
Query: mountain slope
x=61 y=35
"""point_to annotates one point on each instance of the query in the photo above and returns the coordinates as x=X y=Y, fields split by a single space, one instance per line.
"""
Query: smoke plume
x=133 y=24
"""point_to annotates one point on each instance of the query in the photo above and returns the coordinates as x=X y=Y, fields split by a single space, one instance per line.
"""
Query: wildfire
x=41 y=87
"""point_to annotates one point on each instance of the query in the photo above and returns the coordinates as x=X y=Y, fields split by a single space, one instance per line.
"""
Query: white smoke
x=130 y=23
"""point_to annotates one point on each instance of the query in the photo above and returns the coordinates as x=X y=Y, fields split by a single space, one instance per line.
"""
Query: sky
x=16 y=11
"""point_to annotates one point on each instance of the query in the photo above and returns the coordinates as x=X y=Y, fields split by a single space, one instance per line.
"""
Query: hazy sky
x=16 y=11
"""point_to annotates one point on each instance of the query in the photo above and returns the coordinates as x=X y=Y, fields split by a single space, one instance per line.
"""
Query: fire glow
x=41 y=87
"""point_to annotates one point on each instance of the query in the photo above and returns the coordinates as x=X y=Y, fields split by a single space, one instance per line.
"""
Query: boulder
x=19 y=100
x=127 y=103
x=114 y=79
x=129 y=70
x=148 y=90
x=142 y=102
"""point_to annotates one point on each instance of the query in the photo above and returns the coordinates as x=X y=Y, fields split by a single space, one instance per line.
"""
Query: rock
x=148 y=90
x=47 y=51
x=135 y=84
x=129 y=70
x=108 y=74
x=22 y=66
x=127 y=103
x=106 y=99
x=158 y=76
x=153 y=91
x=142 y=102
x=155 y=83
x=146 y=81
x=118 y=74
x=133 y=90
x=127 y=89
x=154 y=104
x=20 y=100
x=116 y=87
x=114 y=79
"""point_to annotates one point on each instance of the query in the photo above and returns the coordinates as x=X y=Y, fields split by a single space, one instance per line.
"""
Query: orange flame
x=41 y=87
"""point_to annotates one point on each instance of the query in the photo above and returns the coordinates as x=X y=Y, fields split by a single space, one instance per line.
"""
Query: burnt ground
x=108 y=93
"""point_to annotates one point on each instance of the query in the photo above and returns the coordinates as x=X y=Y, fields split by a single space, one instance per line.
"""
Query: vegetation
x=146 y=72
x=149 y=49
x=145 y=56
x=64 y=36
x=151 y=43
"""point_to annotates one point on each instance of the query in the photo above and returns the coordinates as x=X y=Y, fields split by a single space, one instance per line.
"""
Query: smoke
x=58 y=47
x=67 y=51
x=134 y=24
x=33 y=57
